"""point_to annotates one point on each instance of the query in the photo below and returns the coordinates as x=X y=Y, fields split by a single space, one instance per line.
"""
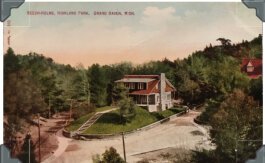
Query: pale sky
x=157 y=30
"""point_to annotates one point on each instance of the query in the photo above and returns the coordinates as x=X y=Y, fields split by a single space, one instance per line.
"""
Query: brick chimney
x=162 y=89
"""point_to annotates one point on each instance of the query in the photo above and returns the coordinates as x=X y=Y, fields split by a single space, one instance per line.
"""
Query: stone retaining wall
x=196 y=120
x=66 y=133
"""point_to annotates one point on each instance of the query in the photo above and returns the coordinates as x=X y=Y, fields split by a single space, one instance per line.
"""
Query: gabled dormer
x=250 y=67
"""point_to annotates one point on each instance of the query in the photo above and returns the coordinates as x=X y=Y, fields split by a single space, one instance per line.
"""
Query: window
x=144 y=99
x=168 y=96
x=152 y=99
x=140 y=85
x=250 y=67
x=132 y=85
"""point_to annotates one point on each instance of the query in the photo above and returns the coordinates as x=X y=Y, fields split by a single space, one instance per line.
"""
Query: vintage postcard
x=135 y=82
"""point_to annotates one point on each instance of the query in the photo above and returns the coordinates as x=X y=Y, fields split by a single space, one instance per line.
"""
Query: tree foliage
x=237 y=122
x=22 y=101
x=28 y=151
x=127 y=109
x=34 y=83
x=97 y=85
x=119 y=92
x=109 y=156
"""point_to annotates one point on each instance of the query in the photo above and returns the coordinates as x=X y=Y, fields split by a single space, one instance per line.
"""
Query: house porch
x=143 y=100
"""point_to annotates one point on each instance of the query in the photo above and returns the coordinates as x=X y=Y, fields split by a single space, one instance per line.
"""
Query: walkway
x=88 y=123
x=92 y=120
x=64 y=142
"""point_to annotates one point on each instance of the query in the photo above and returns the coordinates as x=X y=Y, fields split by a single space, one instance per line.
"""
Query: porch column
x=147 y=98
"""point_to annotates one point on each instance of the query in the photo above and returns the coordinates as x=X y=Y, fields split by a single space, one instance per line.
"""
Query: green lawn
x=167 y=113
x=109 y=123
x=104 y=108
x=78 y=123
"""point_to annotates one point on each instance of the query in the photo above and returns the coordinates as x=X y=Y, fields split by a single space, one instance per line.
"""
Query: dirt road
x=178 y=133
x=50 y=140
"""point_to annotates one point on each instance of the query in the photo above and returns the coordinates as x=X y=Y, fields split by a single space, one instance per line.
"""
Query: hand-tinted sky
x=156 y=31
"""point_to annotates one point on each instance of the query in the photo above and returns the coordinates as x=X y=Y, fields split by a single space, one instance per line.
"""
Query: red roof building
x=153 y=91
x=252 y=67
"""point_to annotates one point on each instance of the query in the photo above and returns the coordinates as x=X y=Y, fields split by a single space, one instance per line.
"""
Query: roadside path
x=63 y=142
x=53 y=127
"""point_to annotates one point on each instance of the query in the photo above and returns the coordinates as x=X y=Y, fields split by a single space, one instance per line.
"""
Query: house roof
x=151 y=80
x=256 y=63
x=142 y=76
x=132 y=80
x=138 y=78
x=151 y=88
x=170 y=88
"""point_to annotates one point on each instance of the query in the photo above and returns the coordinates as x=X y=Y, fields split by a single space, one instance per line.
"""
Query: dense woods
x=35 y=84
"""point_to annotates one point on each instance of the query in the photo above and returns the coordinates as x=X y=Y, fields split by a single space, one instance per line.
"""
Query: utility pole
x=123 y=144
x=12 y=143
x=49 y=106
x=70 y=111
x=71 y=107
x=39 y=137
x=29 y=137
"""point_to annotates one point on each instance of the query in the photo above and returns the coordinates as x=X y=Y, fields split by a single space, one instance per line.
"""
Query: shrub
x=82 y=108
x=127 y=109
x=202 y=156
x=109 y=156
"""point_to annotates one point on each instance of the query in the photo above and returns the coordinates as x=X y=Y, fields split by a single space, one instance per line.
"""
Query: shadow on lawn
x=175 y=110
x=157 y=115
x=160 y=116
x=113 y=118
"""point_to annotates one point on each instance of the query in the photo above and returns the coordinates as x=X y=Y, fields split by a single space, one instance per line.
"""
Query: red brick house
x=153 y=91
x=252 y=67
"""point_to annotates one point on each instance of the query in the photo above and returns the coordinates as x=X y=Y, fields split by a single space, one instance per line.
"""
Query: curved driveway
x=180 y=132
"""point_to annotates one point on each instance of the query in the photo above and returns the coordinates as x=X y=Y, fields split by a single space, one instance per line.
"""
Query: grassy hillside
x=109 y=123
x=78 y=123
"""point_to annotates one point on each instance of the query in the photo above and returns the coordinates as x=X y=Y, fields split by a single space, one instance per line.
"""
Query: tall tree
x=236 y=119
x=119 y=92
x=11 y=62
x=225 y=42
x=98 y=86
x=22 y=96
